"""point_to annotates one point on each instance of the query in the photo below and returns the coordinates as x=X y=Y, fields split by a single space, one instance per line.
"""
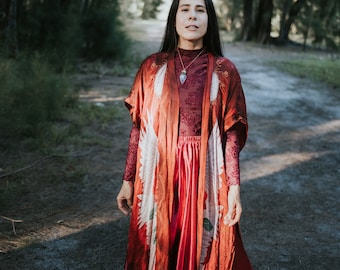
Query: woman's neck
x=188 y=45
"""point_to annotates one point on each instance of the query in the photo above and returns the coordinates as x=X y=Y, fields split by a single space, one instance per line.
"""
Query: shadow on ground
x=289 y=222
x=97 y=248
x=290 y=173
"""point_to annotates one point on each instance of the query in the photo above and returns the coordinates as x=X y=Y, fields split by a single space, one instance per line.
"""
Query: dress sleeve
x=130 y=165
x=232 y=151
x=236 y=113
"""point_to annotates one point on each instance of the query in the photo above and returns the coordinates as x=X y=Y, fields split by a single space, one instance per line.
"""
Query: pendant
x=183 y=76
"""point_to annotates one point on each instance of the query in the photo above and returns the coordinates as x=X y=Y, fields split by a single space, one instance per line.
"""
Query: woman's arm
x=125 y=195
x=131 y=158
x=232 y=152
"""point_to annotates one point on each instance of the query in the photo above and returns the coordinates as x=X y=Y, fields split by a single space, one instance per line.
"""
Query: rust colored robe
x=154 y=107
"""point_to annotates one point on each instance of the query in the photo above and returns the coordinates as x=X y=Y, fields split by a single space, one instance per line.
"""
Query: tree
x=4 y=8
x=290 y=13
x=325 y=22
x=312 y=19
x=9 y=27
x=257 y=27
x=247 y=28
x=150 y=8
x=263 y=19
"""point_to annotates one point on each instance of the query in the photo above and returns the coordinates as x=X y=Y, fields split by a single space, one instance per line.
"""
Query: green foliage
x=322 y=69
x=32 y=95
x=89 y=113
x=150 y=9
x=102 y=34
x=315 y=22
x=50 y=27
x=66 y=31
x=7 y=192
x=319 y=21
x=35 y=91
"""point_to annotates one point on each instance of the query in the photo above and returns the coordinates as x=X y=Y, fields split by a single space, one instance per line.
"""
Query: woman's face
x=191 y=23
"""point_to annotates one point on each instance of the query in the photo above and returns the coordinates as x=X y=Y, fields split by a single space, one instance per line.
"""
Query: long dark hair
x=211 y=40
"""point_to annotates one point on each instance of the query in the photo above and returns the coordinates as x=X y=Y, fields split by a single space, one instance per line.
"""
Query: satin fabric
x=183 y=222
x=154 y=107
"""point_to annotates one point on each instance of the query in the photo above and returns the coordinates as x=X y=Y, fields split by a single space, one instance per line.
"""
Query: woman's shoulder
x=157 y=59
x=225 y=63
x=225 y=68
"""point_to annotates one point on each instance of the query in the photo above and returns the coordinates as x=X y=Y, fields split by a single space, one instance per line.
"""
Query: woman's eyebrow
x=188 y=5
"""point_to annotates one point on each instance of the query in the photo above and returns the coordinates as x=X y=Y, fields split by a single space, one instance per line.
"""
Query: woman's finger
x=237 y=215
x=123 y=206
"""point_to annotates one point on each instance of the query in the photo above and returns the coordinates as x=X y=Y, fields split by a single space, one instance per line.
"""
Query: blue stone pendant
x=183 y=76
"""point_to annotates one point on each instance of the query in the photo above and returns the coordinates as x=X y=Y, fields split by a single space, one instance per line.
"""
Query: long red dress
x=181 y=179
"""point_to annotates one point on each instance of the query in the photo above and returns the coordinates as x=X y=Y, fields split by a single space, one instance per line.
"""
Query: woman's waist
x=188 y=139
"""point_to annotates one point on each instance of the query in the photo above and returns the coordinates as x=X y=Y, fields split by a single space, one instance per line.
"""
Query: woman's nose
x=192 y=15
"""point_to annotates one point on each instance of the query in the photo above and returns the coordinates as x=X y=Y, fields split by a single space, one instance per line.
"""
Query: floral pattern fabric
x=154 y=108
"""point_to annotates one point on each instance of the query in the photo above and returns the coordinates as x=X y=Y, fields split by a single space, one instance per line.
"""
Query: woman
x=182 y=181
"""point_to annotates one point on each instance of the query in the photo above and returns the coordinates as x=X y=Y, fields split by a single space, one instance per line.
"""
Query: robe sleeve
x=236 y=112
x=134 y=101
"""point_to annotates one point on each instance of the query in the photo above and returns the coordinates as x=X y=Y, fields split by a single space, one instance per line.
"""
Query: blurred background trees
x=40 y=43
x=40 y=40
x=312 y=22
x=92 y=28
x=85 y=28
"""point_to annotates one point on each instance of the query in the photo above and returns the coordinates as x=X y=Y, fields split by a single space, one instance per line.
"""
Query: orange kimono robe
x=153 y=104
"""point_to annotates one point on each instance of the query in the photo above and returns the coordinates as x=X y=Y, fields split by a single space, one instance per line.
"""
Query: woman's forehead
x=192 y=3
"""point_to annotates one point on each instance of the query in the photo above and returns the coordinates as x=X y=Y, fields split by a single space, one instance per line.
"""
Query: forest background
x=42 y=42
x=48 y=47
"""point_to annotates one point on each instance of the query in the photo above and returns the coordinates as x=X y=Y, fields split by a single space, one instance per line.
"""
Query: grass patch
x=32 y=96
x=83 y=129
x=321 y=69
x=80 y=126
x=103 y=114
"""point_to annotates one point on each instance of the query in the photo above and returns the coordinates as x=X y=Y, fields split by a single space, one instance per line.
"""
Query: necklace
x=183 y=75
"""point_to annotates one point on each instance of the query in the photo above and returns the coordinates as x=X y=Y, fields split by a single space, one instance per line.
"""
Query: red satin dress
x=183 y=234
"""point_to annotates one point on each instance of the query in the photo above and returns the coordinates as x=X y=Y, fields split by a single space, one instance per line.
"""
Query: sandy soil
x=290 y=176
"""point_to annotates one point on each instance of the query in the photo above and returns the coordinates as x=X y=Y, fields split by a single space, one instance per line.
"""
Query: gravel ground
x=290 y=177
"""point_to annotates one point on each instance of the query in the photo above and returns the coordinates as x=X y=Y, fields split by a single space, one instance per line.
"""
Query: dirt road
x=290 y=175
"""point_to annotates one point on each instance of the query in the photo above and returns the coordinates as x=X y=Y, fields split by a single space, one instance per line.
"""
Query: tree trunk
x=307 y=25
x=283 y=19
x=4 y=7
x=246 y=33
x=263 y=21
x=150 y=9
x=11 y=30
x=84 y=6
x=286 y=22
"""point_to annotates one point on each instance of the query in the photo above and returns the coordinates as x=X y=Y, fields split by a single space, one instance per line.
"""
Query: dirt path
x=290 y=169
x=290 y=176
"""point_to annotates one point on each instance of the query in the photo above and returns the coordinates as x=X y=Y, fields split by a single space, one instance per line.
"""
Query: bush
x=321 y=69
x=103 y=37
x=34 y=90
x=48 y=27
x=32 y=95
x=67 y=32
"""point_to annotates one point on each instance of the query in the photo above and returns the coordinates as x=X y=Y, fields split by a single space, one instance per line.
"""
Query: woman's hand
x=124 y=197
x=234 y=206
